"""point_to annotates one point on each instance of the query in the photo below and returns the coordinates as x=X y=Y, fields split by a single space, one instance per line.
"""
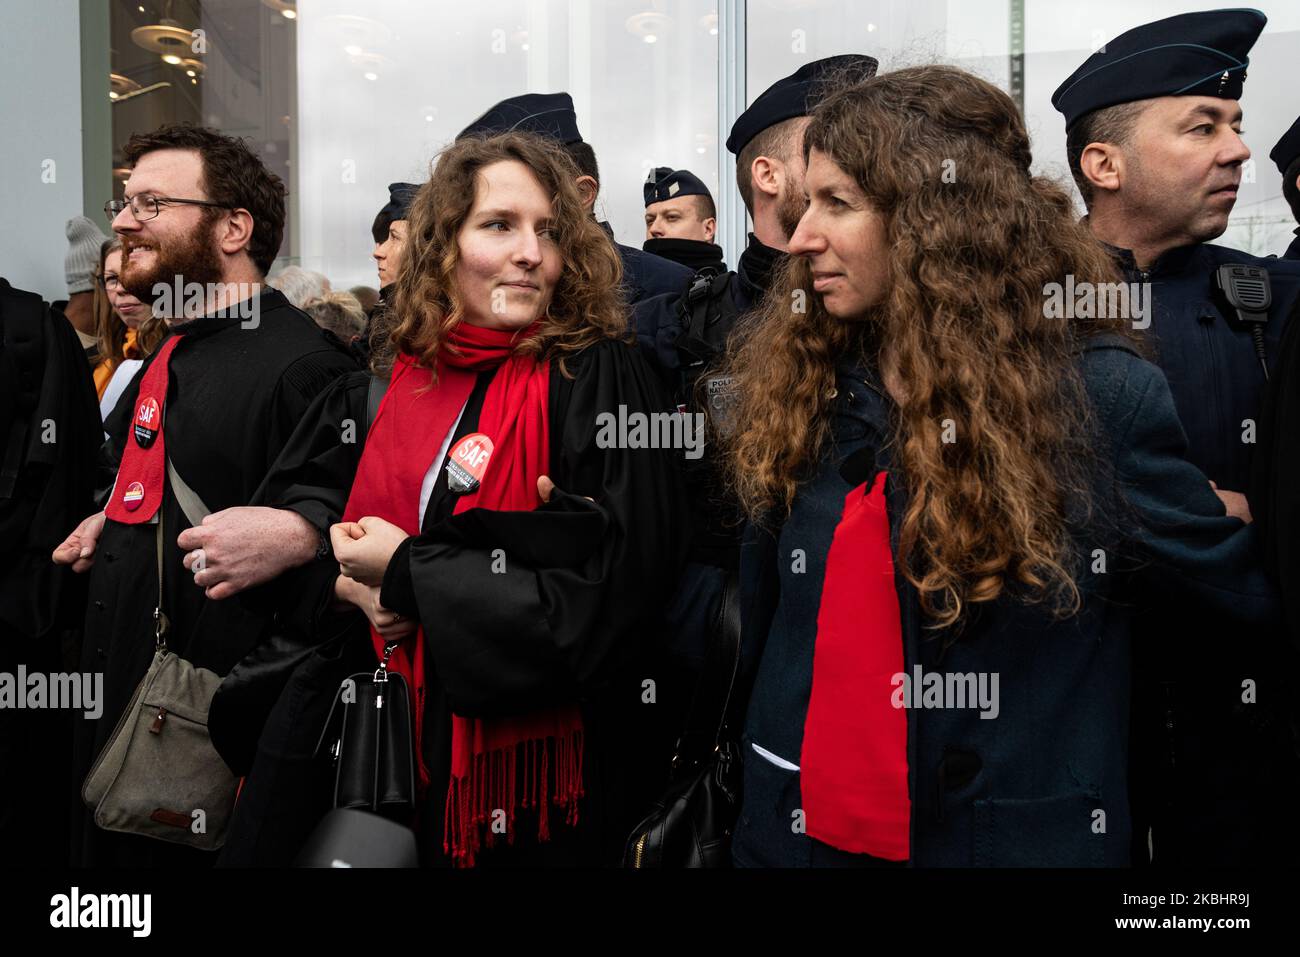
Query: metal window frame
x=733 y=223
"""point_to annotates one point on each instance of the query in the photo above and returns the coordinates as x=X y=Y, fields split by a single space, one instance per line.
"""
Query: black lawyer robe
x=49 y=433
x=234 y=396
x=569 y=613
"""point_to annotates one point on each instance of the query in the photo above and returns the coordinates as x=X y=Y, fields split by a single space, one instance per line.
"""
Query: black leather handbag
x=692 y=822
x=368 y=736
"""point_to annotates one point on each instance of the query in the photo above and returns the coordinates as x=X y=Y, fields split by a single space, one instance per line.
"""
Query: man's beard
x=192 y=260
x=790 y=209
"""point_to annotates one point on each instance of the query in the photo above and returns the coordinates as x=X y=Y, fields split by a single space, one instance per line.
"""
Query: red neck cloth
x=409 y=428
x=853 y=766
x=143 y=470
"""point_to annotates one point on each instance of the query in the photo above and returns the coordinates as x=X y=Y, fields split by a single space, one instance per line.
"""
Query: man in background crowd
x=84 y=242
x=681 y=220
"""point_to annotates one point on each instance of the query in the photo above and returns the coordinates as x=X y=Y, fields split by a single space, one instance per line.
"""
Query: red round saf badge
x=148 y=422
x=467 y=463
x=133 y=497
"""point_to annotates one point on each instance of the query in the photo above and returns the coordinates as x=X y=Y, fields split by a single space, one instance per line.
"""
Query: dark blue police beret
x=547 y=114
x=398 y=207
x=797 y=95
x=1191 y=54
x=665 y=183
x=1287 y=149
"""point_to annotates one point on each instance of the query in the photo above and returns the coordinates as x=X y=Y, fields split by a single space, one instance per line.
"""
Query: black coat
x=1024 y=788
x=645 y=274
x=49 y=433
x=1293 y=251
x=1211 y=772
x=572 y=618
x=1275 y=492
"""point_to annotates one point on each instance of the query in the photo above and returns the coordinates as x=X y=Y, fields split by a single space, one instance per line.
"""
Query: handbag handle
x=706 y=722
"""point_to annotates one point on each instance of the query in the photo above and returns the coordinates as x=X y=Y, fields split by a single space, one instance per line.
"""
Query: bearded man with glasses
x=194 y=433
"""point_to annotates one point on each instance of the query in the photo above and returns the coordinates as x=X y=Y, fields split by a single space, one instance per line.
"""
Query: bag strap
x=191 y=504
x=374 y=395
x=160 y=622
x=706 y=723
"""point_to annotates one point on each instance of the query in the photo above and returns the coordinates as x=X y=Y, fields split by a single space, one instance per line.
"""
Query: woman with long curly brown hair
x=481 y=534
x=949 y=483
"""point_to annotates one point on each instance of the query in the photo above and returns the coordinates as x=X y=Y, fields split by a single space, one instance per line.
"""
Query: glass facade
x=342 y=97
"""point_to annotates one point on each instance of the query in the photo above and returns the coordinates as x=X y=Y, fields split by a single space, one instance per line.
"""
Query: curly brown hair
x=962 y=330
x=586 y=305
x=233 y=176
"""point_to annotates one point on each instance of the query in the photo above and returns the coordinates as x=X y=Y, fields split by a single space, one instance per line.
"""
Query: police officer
x=685 y=335
x=681 y=220
x=389 y=233
x=552 y=115
x=1154 y=144
x=767 y=140
x=1286 y=154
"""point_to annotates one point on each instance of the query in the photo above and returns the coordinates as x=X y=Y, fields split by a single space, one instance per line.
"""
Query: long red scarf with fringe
x=532 y=760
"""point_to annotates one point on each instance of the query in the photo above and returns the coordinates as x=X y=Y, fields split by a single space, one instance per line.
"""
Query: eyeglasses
x=145 y=208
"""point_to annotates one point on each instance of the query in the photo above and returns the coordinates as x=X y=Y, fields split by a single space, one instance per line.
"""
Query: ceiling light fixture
x=166 y=36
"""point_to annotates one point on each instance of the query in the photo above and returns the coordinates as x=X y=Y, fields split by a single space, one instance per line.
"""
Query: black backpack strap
x=708 y=314
x=696 y=304
x=374 y=396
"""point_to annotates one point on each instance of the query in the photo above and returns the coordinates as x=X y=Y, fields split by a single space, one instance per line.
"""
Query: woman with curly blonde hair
x=950 y=484
x=480 y=533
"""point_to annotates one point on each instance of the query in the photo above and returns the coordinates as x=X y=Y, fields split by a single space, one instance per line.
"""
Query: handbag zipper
x=158 y=719
x=639 y=850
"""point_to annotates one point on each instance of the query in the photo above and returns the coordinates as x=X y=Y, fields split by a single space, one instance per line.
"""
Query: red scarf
x=853 y=766
x=143 y=470
x=409 y=428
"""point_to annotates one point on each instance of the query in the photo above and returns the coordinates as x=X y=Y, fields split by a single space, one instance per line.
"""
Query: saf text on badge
x=148 y=420
x=467 y=463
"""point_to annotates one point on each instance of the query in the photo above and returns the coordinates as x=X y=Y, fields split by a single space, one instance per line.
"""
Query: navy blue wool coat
x=1045 y=783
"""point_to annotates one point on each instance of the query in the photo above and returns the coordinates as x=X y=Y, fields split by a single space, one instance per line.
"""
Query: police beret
x=797 y=95
x=1191 y=54
x=1287 y=150
x=546 y=114
x=398 y=207
x=665 y=183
